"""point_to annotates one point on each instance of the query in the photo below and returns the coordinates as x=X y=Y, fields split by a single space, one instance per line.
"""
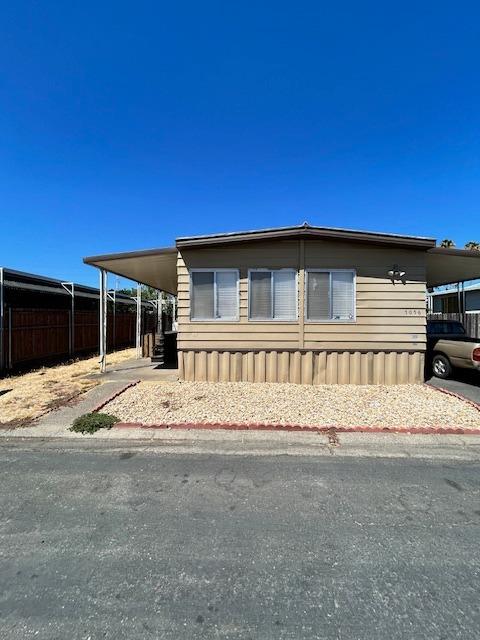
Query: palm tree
x=446 y=244
x=473 y=246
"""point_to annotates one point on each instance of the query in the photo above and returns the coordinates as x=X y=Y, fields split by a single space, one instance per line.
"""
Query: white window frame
x=271 y=271
x=215 y=271
x=331 y=320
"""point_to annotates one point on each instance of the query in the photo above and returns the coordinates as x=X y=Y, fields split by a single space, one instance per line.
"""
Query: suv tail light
x=476 y=355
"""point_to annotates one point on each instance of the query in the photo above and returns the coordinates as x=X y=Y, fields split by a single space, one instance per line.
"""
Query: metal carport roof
x=445 y=266
x=154 y=267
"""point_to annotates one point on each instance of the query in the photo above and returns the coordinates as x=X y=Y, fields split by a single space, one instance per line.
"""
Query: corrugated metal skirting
x=303 y=367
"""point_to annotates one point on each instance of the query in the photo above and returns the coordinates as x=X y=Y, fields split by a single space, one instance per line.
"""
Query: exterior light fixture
x=395 y=273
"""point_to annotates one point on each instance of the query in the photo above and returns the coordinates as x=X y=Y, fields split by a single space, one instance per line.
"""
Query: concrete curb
x=329 y=430
x=112 y=396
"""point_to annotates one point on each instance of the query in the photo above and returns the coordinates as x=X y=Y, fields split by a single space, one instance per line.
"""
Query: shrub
x=91 y=422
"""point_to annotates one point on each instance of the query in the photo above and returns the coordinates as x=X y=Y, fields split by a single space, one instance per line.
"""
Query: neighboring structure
x=299 y=304
x=43 y=319
x=453 y=300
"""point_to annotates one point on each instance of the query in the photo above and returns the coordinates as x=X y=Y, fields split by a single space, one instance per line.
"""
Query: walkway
x=142 y=369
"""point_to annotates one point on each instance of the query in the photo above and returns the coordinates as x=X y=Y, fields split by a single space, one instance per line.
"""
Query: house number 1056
x=413 y=312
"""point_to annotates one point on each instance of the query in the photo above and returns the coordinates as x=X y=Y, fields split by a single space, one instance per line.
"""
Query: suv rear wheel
x=441 y=366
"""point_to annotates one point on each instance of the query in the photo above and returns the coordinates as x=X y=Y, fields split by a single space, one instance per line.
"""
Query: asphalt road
x=135 y=545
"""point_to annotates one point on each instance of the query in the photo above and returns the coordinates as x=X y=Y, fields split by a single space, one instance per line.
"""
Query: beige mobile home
x=299 y=304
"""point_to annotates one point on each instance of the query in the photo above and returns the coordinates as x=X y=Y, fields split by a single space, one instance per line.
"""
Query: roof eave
x=295 y=232
x=450 y=251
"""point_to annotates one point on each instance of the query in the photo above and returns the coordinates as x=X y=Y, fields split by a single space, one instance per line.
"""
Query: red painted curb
x=227 y=426
x=114 y=395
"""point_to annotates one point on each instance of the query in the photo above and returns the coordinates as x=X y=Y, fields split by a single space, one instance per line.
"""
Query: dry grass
x=306 y=405
x=26 y=397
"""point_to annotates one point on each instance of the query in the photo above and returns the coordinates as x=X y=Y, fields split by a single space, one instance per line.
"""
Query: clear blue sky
x=124 y=125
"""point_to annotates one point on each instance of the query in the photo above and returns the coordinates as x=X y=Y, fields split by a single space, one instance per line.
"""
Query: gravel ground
x=29 y=395
x=332 y=405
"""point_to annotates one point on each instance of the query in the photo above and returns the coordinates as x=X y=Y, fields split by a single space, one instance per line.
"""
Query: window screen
x=202 y=295
x=318 y=295
x=342 y=295
x=214 y=295
x=227 y=297
x=330 y=295
x=260 y=295
x=284 y=295
x=273 y=295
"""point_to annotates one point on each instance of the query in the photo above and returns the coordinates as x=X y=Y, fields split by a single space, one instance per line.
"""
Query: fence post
x=10 y=338
x=112 y=296
x=70 y=288
x=70 y=341
x=2 y=346
x=73 y=319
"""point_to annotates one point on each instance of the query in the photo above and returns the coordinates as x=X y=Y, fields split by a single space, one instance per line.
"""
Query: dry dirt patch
x=26 y=397
x=307 y=405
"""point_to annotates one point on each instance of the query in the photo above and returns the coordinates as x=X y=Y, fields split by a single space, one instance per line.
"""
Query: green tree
x=446 y=244
x=472 y=245
x=148 y=293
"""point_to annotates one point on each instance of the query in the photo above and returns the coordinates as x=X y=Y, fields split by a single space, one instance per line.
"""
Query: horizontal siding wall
x=389 y=317
x=243 y=334
x=303 y=367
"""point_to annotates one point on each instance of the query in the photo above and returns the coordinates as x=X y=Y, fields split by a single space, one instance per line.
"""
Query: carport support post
x=114 y=330
x=2 y=318
x=174 y=311
x=159 y=313
x=139 y=322
x=103 y=320
x=70 y=287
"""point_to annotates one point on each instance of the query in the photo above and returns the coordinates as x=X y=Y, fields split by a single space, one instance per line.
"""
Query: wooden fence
x=43 y=335
x=471 y=321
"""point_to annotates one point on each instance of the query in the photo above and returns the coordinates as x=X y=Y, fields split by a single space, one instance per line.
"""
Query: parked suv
x=448 y=346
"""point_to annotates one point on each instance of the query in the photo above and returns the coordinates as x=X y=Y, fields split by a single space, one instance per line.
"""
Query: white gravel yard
x=306 y=405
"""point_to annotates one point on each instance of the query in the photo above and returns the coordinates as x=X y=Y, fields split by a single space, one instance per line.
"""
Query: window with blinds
x=214 y=295
x=330 y=295
x=273 y=294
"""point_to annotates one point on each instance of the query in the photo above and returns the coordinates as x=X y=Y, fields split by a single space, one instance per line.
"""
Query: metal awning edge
x=129 y=254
